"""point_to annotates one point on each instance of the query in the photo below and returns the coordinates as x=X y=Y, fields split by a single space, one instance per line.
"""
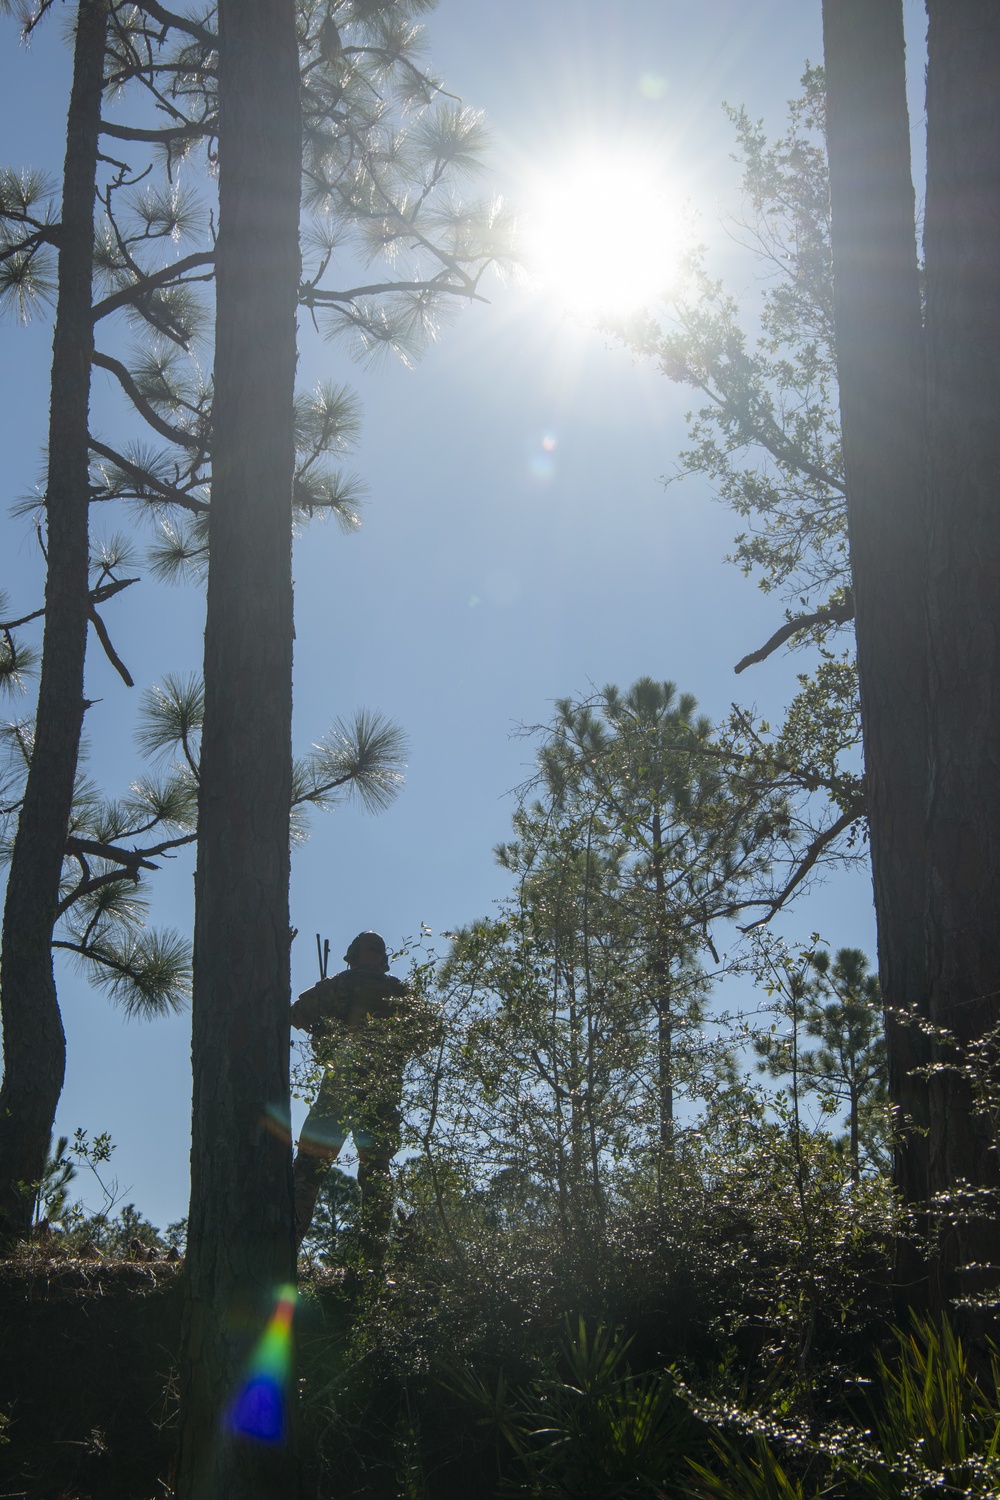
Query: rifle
x=323 y=954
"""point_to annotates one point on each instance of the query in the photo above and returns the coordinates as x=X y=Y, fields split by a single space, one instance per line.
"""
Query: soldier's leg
x=319 y=1144
x=377 y=1143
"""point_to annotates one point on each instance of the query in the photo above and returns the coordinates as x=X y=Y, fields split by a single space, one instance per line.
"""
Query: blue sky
x=517 y=546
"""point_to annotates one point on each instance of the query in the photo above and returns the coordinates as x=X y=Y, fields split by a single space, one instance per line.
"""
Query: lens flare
x=277 y=1122
x=259 y=1410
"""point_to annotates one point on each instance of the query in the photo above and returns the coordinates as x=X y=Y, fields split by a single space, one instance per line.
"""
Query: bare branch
x=829 y=614
x=168 y=18
x=109 y=650
x=821 y=842
x=24 y=620
x=311 y=296
x=106 y=591
x=131 y=859
x=168 y=137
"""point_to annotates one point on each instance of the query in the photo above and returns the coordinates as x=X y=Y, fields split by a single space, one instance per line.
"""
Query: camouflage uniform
x=365 y=1024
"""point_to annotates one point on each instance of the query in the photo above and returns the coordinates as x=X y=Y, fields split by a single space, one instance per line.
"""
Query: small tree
x=693 y=840
x=840 y=1004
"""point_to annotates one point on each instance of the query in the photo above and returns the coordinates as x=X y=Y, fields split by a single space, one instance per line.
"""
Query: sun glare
x=602 y=234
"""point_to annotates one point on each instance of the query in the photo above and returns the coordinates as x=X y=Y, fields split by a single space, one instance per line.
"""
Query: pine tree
x=34 y=1044
x=918 y=385
x=241 y=1169
x=694 y=839
x=840 y=1004
x=152 y=250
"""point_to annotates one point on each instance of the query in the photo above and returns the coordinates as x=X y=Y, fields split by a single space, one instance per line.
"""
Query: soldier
x=364 y=1024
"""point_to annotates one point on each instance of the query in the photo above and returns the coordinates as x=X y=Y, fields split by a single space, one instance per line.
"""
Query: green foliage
x=364 y=758
x=332 y=1235
x=67 y=1226
x=768 y=437
x=840 y=1004
x=937 y=1419
x=27 y=260
x=573 y=1022
x=327 y=421
x=739 y=1476
x=931 y=1427
x=590 y=1429
x=52 y=1200
x=172 y=716
x=698 y=836
x=17 y=659
x=146 y=973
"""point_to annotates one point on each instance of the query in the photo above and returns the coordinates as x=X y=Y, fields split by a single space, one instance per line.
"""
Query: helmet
x=366 y=939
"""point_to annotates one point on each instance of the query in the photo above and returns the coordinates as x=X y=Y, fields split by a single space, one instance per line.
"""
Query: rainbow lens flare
x=259 y=1409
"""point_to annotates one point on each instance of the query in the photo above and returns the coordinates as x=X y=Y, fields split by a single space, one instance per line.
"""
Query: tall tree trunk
x=962 y=242
x=240 y=1236
x=33 y=1040
x=880 y=364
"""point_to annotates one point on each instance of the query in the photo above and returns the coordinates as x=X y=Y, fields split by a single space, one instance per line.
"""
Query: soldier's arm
x=305 y=1011
x=314 y=1004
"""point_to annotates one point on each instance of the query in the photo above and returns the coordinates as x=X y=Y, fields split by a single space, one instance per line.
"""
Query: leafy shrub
x=590 y=1428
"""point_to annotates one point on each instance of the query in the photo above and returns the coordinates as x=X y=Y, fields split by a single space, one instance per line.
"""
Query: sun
x=602 y=233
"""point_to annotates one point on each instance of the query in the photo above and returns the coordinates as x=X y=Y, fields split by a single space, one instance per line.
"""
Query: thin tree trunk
x=664 y=1014
x=595 y=1155
x=880 y=362
x=855 y=1138
x=240 y=1244
x=962 y=242
x=33 y=1040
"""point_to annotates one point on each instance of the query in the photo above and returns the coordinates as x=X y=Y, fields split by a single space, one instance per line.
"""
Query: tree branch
x=106 y=591
x=140 y=476
x=805 y=864
x=109 y=650
x=131 y=861
x=24 y=620
x=166 y=137
x=168 y=18
x=152 y=283
x=142 y=406
x=830 y=614
x=311 y=297
x=315 y=792
x=129 y=858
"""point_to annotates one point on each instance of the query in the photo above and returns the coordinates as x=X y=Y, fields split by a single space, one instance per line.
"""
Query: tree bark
x=962 y=245
x=33 y=1039
x=241 y=1244
x=880 y=364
